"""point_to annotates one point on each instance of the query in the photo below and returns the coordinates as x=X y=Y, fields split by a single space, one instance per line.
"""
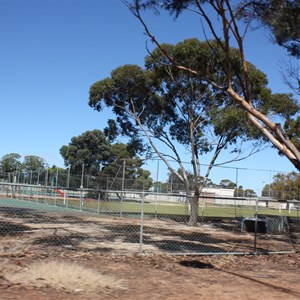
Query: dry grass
x=69 y=277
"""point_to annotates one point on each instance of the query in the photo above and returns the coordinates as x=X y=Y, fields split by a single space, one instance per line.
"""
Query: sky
x=52 y=51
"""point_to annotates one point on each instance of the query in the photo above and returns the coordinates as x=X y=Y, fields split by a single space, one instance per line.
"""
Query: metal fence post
x=122 y=187
x=234 y=207
x=142 y=224
x=98 y=206
x=81 y=200
x=255 y=227
x=66 y=198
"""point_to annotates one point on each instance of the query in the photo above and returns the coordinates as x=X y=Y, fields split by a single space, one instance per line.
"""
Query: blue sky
x=52 y=51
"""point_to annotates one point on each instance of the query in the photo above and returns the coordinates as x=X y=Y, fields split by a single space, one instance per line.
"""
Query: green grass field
x=159 y=208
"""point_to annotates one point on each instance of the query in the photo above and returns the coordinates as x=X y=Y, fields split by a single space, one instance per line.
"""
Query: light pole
x=82 y=172
x=270 y=178
x=123 y=175
x=68 y=178
x=38 y=177
x=81 y=187
x=236 y=181
x=68 y=184
x=46 y=177
x=123 y=185
x=56 y=178
x=157 y=174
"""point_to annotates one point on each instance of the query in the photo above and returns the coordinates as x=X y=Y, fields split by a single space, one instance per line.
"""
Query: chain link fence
x=65 y=178
x=35 y=217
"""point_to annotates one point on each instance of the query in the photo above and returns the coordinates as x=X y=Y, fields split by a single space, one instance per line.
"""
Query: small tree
x=227 y=184
x=10 y=163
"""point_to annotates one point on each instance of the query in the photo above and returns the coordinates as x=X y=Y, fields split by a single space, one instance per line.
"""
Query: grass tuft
x=69 y=277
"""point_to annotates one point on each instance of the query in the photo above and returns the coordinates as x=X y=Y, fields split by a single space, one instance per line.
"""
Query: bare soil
x=170 y=277
x=29 y=240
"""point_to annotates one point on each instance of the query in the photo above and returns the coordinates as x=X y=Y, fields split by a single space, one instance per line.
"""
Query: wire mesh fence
x=37 y=217
x=58 y=177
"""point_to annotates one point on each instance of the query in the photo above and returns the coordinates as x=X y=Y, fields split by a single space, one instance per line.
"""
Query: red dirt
x=145 y=276
x=167 y=277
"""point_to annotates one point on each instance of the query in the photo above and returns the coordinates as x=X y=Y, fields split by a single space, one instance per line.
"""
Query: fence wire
x=35 y=217
x=65 y=178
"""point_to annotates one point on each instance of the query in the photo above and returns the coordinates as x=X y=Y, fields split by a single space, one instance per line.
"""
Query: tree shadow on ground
x=163 y=239
x=276 y=287
x=72 y=240
x=31 y=215
x=168 y=240
x=230 y=225
x=18 y=212
x=8 y=228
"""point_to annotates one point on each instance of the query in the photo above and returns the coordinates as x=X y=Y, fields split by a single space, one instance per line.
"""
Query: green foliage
x=284 y=186
x=174 y=6
x=292 y=128
x=10 y=163
x=90 y=149
x=122 y=159
x=174 y=105
x=250 y=193
x=111 y=131
x=227 y=184
x=282 y=17
x=221 y=70
x=174 y=184
x=34 y=163
x=103 y=159
x=240 y=192
x=57 y=176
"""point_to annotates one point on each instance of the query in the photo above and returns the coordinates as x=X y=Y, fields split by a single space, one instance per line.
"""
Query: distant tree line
x=89 y=155
x=102 y=162
x=284 y=186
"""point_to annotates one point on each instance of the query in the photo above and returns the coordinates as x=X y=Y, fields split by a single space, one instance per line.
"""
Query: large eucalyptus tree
x=167 y=107
x=222 y=20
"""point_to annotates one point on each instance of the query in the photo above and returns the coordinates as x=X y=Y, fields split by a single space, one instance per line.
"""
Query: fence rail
x=134 y=221
x=66 y=179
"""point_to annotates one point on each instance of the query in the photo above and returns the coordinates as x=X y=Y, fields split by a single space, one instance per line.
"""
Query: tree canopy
x=281 y=17
x=284 y=186
x=90 y=149
x=124 y=163
x=34 y=163
x=168 y=106
x=10 y=163
x=236 y=80
x=227 y=184
x=93 y=153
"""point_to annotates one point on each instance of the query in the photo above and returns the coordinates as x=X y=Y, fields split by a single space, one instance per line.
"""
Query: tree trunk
x=269 y=129
x=194 y=208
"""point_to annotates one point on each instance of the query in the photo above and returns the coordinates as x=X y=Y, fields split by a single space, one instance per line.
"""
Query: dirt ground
x=170 y=277
x=29 y=242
